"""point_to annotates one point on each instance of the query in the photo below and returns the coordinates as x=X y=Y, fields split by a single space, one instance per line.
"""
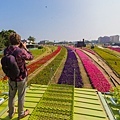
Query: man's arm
x=26 y=54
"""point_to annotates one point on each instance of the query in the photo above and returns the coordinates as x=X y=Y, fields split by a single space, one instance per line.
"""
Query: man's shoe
x=26 y=112
x=11 y=116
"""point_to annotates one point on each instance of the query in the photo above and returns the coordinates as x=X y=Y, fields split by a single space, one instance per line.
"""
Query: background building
x=114 y=39
x=104 y=39
x=107 y=39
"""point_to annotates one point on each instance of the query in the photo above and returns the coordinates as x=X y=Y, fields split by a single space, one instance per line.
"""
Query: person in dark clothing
x=21 y=54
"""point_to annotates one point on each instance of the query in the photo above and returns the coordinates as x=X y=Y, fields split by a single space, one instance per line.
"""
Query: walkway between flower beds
x=87 y=105
x=58 y=102
x=33 y=96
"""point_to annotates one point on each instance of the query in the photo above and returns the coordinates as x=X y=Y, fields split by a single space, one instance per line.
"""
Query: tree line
x=4 y=35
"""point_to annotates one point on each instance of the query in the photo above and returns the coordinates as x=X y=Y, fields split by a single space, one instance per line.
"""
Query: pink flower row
x=115 y=49
x=97 y=78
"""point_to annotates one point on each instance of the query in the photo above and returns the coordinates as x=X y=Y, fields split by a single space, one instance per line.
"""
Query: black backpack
x=10 y=67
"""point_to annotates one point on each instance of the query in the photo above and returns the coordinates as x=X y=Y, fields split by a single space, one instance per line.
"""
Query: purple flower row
x=68 y=74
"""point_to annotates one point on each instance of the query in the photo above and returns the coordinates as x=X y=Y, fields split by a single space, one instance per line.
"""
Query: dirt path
x=84 y=76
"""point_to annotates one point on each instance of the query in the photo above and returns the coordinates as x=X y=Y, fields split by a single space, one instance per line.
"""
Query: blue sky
x=61 y=20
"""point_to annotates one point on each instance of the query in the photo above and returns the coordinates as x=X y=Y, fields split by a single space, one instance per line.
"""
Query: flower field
x=57 y=102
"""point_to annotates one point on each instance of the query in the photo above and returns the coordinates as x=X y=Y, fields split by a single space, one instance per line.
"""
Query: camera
x=21 y=45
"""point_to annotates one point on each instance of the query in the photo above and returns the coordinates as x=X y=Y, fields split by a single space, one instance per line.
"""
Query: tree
x=1 y=43
x=4 y=37
x=31 y=39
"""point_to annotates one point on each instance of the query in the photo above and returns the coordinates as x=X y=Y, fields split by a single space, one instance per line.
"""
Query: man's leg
x=11 y=100
x=21 y=95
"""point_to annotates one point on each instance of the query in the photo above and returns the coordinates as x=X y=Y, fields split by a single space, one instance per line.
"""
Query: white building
x=114 y=39
x=104 y=39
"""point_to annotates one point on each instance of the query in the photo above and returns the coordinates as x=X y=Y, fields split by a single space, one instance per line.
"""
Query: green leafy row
x=111 y=59
x=38 y=52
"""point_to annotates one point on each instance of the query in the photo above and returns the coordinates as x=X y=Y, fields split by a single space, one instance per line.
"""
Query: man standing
x=21 y=53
